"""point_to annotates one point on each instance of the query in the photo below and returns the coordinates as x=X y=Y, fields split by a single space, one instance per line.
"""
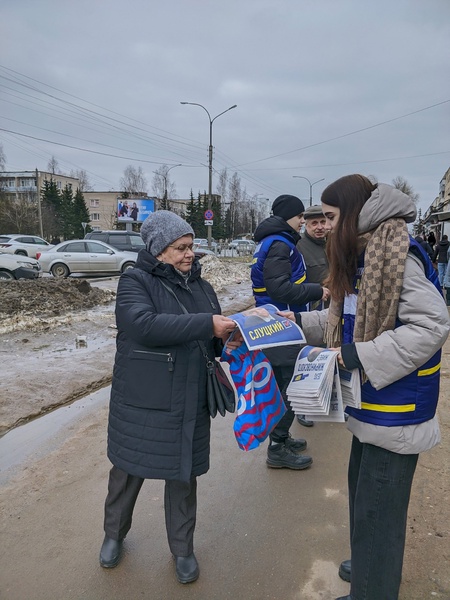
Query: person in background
x=279 y=277
x=312 y=246
x=447 y=279
x=159 y=424
x=425 y=245
x=387 y=318
x=431 y=239
x=441 y=257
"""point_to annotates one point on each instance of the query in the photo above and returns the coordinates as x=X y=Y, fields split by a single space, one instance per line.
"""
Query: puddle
x=45 y=434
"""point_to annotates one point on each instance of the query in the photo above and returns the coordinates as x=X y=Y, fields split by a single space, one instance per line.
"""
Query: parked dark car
x=129 y=241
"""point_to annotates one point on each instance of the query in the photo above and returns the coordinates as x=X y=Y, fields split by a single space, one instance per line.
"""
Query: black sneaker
x=296 y=445
x=279 y=456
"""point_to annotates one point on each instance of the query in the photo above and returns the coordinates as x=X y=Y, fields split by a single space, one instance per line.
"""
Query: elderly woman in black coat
x=159 y=424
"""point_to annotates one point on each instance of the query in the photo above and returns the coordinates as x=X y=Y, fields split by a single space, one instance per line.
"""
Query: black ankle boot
x=110 y=553
x=187 y=568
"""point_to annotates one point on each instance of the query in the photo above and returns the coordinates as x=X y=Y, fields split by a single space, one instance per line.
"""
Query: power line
x=81 y=149
x=354 y=162
x=339 y=137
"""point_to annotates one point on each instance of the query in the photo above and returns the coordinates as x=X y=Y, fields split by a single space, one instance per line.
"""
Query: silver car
x=85 y=256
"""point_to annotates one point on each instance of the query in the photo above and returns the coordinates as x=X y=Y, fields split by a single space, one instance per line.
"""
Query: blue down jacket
x=159 y=425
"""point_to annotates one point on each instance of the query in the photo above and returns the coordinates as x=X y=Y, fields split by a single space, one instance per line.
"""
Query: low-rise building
x=23 y=185
x=437 y=216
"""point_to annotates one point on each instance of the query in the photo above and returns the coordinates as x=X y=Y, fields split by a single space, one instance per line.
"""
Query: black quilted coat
x=159 y=425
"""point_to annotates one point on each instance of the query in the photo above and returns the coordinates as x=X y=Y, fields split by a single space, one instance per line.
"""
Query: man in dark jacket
x=279 y=277
x=312 y=247
x=441 y=256
x=425 y=245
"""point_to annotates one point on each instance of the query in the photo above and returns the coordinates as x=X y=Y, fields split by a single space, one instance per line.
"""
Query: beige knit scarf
x=377 y=305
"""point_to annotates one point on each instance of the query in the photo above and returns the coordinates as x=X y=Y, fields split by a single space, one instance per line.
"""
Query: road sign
x=209 y=222
x=209 y=215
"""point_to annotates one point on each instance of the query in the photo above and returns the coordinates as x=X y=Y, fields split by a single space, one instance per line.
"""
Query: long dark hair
x=349 y=194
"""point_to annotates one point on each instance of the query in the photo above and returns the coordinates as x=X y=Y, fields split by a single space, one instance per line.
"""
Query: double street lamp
x=310 y=185
x=210 y=156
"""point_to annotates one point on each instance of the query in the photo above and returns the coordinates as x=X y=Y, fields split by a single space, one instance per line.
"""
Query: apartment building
x=24 y=185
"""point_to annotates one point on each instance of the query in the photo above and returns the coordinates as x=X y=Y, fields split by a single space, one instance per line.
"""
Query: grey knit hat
x=161 y=228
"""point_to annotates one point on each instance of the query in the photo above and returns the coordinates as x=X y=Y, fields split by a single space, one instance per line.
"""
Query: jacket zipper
x=169 y=356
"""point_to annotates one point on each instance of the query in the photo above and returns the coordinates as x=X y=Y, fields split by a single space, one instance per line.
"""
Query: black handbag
x=220 y=392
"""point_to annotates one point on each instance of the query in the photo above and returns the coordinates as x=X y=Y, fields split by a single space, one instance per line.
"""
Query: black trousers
x=283 y=377
x=180 y=507
x=379 y=490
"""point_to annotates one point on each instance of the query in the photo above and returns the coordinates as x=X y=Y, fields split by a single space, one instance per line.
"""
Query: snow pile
x=223 y=272
x=48 y=302
x=29 y=303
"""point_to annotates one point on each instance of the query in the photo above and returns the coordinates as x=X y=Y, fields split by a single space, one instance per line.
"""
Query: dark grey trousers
x=180 y=507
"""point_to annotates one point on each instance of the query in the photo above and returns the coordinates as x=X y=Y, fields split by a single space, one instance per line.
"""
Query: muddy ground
x=57 y=337
x=42 y=367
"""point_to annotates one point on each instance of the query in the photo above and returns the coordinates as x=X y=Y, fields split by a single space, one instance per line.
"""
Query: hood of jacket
x=442 y=245
x=274 y=225
x=386 y=202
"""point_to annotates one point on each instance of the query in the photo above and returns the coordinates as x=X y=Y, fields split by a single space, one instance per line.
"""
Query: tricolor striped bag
x=260 y=404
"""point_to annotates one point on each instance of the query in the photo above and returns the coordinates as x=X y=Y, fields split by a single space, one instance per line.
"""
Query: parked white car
x=242 y=246
x=202 y=243
x=24 y=245
x=85 y=256
x=18 y=267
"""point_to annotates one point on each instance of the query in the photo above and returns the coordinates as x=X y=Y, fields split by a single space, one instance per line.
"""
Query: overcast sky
x=323 y=88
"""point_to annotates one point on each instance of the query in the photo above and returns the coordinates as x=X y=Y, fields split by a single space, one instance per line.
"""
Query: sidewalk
x=261 y=534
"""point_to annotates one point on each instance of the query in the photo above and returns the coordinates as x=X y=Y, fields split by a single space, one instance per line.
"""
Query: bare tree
x=222 y=186
x=84 y=185
x=162 y=187
x=53 y=165
x=19 y=215
x=401 y=184
x=133 y=181
x=235 y=196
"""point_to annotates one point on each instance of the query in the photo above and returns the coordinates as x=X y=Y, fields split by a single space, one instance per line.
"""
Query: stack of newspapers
x=319 y=388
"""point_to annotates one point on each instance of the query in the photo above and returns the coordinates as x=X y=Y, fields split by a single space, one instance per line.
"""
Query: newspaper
x=319 y=388
x=262 y=327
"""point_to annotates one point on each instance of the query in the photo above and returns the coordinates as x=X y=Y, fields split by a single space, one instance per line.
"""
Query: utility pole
x=210 y=158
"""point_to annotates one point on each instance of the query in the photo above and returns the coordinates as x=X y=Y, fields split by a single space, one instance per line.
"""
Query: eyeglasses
x=182 y=248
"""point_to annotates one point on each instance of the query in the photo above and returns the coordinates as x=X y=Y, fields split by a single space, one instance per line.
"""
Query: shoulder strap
x=184 y=309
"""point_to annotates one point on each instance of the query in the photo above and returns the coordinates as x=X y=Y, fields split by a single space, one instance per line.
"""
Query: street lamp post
x=165 y=184
x=210 y=153
x=310 y=185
